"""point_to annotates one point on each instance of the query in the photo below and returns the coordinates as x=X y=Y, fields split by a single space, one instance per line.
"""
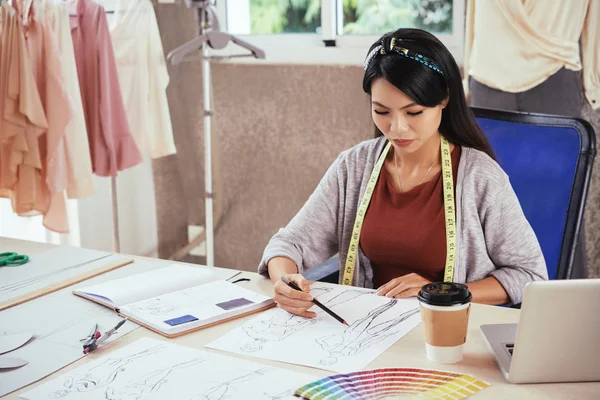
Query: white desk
x=407 y=352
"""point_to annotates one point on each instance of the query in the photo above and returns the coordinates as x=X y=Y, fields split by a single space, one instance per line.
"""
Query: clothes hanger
x=213 y=37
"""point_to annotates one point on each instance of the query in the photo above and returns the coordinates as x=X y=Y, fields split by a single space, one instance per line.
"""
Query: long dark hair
x=426 y=86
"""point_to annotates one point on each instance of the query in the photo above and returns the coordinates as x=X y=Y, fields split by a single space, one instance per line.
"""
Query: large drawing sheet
x=51 y=267
x=376 y=323
x=151 y=369
x=58 y=321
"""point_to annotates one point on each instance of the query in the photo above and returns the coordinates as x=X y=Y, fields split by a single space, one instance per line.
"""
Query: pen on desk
x=111 y=332
x=315 y=301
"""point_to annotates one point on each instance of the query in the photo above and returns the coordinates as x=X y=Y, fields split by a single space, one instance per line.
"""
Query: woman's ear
x=445 y=102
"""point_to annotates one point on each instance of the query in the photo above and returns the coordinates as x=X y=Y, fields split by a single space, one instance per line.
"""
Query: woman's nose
x=398 y=125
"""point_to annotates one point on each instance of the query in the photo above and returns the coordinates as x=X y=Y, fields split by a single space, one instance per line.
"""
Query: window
x=294 y=31
x=372 y=17
x=260 y=17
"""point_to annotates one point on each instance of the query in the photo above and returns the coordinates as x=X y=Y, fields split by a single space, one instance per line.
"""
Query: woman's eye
x=380 y=112
x=415 y=113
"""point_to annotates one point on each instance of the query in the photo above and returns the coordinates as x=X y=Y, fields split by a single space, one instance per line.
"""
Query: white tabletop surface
x=407 y=352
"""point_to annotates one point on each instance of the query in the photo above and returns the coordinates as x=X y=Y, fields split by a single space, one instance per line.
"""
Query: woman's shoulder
x=482 y=172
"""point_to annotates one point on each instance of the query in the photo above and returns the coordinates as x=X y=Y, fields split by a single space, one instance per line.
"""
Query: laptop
x=557 y=338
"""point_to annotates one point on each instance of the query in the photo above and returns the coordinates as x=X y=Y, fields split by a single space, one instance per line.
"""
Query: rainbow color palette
x=391 y=383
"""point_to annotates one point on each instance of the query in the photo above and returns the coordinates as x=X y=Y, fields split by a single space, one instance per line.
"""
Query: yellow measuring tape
x=449 y=212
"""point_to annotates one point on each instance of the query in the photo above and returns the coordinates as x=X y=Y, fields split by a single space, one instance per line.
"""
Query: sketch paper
x=59 y=321
x=51 y=267
x=376 y=323
x=151 y=369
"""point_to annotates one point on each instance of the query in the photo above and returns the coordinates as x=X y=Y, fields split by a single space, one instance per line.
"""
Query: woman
x=422 y=223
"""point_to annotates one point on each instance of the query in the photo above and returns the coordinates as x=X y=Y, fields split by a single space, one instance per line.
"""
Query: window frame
x=308 y=48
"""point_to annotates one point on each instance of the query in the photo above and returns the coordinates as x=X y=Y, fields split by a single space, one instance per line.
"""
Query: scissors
x=13 y=259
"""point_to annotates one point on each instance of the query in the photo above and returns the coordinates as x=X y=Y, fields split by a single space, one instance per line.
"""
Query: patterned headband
x=413 y=55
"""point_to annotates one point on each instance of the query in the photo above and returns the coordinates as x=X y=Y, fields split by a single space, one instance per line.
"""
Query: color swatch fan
x=393 y=383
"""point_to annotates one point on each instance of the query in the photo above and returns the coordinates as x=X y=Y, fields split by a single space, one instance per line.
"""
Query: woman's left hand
x=403 y=286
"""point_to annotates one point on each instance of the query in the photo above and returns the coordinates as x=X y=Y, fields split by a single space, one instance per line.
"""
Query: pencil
x=315 y=301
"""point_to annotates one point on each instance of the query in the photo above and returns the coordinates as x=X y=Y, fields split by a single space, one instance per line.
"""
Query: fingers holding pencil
x=293 y=300
x=295 y=286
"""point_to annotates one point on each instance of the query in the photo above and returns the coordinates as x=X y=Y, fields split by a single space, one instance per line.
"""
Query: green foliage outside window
x=360 y=16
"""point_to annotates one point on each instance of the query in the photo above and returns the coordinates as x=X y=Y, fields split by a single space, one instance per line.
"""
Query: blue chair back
x=549 y=161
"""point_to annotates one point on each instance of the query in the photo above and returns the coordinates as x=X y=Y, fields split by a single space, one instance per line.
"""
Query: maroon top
x=405 y=232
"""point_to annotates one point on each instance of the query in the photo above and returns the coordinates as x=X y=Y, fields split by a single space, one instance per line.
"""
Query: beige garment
x=515 y=45
x=45 y=59
x=79 y=164
x=143 y=76
x=22 y=119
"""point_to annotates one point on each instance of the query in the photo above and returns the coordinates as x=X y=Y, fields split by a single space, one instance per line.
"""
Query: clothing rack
x=74 y=15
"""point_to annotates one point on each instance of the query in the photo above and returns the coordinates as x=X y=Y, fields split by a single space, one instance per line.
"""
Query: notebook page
x=150 y=284
x=196 y=306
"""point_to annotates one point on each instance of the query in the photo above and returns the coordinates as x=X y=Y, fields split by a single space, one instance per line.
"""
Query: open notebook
x=176 y=299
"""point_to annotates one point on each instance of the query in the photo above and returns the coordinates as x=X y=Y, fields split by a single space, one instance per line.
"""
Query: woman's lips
x=403 y=142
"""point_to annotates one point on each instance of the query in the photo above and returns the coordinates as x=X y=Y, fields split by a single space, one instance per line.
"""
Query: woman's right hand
x=292 y=300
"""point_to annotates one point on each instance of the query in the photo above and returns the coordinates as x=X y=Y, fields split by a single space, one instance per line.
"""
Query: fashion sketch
x=344 y=297
x=102 y=374
x=155 y=307
x=150 y=383
x=226 y=389
x=286 y=394
x=361 y=334
x=277 y=328
x=274 y=329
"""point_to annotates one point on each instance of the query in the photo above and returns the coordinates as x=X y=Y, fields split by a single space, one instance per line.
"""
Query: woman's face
x=405 y=123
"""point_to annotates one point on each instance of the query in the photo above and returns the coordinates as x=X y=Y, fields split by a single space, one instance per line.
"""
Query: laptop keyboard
x=510 y=347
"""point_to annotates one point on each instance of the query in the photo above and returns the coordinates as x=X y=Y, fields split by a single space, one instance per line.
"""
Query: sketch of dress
x=282 y=395
x=156 y=307
x=344 y=297
x=150 y=383
x=362 y=334
x=320 y=291
x=102 y=374
x=224 y=390
x=273 y=329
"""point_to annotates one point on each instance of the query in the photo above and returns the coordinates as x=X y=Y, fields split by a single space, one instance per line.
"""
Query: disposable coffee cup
x=445 y=310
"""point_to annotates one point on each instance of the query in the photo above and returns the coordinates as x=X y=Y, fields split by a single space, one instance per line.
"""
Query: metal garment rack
x=209 y=37
x=115 y=215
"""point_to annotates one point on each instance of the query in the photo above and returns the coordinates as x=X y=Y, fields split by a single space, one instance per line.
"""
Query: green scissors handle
x=13 y=259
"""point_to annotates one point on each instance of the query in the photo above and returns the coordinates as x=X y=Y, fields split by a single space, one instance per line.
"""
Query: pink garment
x=45 y=59
x=111 y=144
